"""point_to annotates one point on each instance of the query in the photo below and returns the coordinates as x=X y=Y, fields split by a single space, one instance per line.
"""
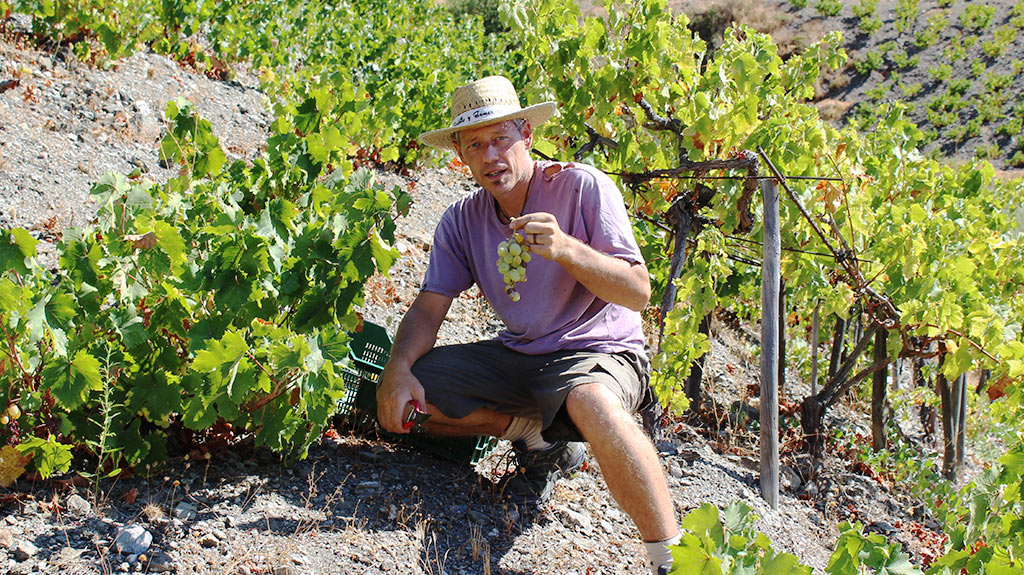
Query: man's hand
x=607 y=277
x=398 y=386
x=541 y=231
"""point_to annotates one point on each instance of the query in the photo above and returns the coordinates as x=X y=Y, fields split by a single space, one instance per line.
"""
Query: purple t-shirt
x=555 y=312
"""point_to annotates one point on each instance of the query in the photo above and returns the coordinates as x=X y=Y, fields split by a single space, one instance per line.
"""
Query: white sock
x=528 y=430
x=658 y=553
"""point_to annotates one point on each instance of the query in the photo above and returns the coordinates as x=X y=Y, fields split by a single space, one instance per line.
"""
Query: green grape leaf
x=228 y=349
x=704 y=521
x=71 y=381
x=783 y=564
x=16 y=245
x=153 y=395
x=691 y=558
x=48 y=455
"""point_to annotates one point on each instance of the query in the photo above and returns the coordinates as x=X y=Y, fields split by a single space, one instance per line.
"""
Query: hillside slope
x=958 y=65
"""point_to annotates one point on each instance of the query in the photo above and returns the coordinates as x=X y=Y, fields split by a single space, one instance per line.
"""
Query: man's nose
x=490 y=152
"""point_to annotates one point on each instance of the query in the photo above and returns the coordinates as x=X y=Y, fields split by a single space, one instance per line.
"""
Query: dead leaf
x=146 y=241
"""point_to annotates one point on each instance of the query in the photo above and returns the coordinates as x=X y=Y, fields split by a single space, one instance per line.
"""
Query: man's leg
x=483 y=421
x=627 y=458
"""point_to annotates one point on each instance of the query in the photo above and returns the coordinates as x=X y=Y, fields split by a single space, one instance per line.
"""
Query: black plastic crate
x=369 y=351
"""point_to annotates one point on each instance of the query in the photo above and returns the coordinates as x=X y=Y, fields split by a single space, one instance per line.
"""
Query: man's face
x=498 y=155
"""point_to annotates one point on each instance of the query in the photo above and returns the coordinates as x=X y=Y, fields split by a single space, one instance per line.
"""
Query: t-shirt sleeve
x=448 y=272
x=606 y=219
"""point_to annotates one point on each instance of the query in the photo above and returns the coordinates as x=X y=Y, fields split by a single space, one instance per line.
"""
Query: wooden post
x=961 y=420
x=814 y=349
x=769 y=344
x=878 y=393
x=782 y=336
x=945 y=397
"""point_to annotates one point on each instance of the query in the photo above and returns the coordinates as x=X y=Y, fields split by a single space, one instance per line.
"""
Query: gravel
x=357 y=504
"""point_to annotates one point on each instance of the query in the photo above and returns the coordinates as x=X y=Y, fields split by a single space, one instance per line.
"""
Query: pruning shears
x=416 y=417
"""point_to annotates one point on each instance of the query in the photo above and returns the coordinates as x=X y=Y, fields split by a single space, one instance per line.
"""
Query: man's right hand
x=398 y=386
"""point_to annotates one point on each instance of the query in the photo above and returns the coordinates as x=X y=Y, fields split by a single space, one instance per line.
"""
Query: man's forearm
x=612 y=279
x=418 y=330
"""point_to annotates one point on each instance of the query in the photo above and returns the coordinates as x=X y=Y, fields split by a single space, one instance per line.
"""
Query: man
x=571 y=363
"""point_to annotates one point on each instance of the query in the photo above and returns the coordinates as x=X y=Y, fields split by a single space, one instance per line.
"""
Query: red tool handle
x=411 y=420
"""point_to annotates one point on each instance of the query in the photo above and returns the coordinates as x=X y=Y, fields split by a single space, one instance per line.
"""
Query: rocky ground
x=358 y=504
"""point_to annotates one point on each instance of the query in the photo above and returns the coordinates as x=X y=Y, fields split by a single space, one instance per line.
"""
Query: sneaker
x=537 y=471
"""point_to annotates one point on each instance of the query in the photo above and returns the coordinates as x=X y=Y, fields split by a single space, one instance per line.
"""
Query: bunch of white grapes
x=513 y=255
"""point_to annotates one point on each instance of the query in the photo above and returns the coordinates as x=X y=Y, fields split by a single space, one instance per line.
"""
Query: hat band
x=482 y=113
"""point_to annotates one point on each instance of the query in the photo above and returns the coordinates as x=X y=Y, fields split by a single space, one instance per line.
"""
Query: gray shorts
x=459 y=379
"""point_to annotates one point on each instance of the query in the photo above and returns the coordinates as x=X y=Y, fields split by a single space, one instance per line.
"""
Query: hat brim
x=535 y=114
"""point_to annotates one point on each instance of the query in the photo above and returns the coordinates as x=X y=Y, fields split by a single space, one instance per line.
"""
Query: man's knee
x=593 y=400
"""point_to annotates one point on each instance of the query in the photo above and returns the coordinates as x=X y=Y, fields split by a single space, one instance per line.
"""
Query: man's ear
x=527 y=132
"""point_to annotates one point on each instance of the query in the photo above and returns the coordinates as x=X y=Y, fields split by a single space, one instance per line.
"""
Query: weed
x=910 y=90
x=940 y=118
x=960 y=86
x=870 y=25
x=977 y=17
x=828 y=8
x=865 y=8
x=997 y=83
x=937 y=23
x=941 y=72
x=986 y=151
x=798 y=3
x=906 y=15
x=432 y=561
x=872 y=61
x=978 y=67
x=1017 y=160
x=877 y=94
x=955 y=50
x=903 y=61
x=1010 y=127
x=1004 y=36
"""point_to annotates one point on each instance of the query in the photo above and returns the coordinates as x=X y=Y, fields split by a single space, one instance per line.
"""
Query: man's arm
x=607 y=277
x=416 y=336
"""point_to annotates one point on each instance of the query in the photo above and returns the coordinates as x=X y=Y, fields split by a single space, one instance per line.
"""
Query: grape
x=513 y=255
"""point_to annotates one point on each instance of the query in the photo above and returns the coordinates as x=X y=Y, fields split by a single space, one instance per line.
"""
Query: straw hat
x=486 y=101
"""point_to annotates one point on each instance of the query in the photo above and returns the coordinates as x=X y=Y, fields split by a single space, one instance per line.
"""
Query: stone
x=133 y=540
x=479 y=517
x=790 y=478
x=576 y=518
x=77 y=505
x=208 y=541
x=161 y=563
x=24 y=550
x=185 y=511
